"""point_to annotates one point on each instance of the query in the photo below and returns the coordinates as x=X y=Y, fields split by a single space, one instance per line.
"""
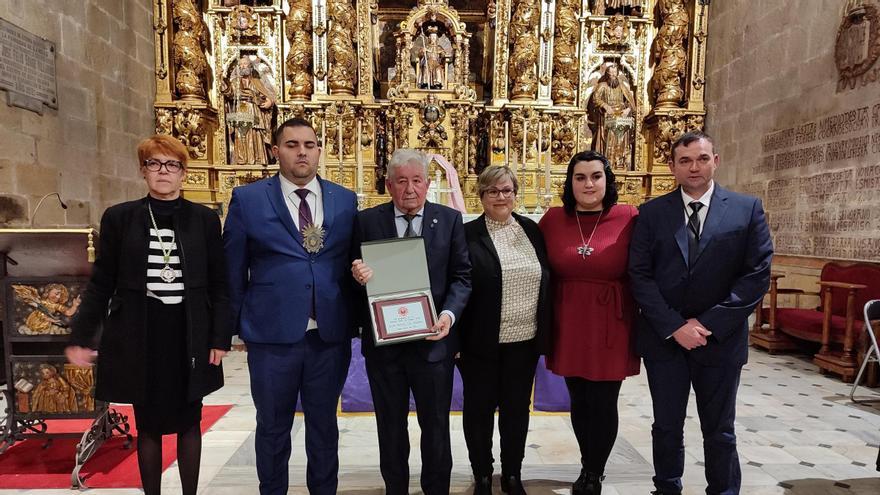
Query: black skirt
x=166 y=409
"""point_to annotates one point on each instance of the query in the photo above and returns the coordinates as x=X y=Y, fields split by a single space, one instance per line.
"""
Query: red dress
x=593 y=308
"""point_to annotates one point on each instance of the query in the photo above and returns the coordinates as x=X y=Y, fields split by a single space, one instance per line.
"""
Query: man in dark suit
x=287 y=241
x=423 y=367
x=699 y=263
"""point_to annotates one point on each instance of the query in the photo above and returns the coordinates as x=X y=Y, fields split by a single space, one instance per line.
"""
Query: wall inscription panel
x=27 y=68
x=820 y=181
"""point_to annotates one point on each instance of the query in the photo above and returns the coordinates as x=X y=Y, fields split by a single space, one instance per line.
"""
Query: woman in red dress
x=593 y=344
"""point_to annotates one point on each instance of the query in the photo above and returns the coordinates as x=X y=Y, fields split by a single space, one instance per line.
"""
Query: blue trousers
x=315 y=371
x=715 y=389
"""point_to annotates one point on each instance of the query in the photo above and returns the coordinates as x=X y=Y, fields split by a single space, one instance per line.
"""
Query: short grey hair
x=492 y=175
x=403 y=156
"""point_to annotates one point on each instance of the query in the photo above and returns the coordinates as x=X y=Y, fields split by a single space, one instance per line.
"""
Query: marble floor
x=798 y=433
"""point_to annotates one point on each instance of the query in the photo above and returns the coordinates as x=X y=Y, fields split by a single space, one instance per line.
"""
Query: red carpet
x=27 y=465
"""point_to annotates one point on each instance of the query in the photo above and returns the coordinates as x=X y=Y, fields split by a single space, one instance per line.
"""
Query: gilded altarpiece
x=477 y=83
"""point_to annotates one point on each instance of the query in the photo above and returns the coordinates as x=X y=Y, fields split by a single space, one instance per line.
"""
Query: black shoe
x=483 y=485
x=658 y=492
x=512 y=485
x=587 y=484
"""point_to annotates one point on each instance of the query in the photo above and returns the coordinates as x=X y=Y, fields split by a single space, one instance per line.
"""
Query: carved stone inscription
x=820 y=182
x=27 y=68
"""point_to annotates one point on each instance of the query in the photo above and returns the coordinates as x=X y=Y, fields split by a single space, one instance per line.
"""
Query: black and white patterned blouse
x=165 y=291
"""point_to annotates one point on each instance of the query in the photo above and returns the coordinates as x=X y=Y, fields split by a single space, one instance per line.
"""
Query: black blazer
x=448 y=268
x=115 y=300
x=481 y=320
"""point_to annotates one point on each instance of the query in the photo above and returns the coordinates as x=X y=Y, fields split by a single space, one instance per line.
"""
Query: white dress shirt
x=705 y=199
x=316 y=204
x=400 y=222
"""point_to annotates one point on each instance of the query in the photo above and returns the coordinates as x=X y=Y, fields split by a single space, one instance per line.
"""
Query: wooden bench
x=834 y=324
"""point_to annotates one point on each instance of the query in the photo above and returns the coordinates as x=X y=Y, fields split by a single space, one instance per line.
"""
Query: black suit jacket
x=480 y=324
x=448 y=268
x=729 y=277
x=116 y=300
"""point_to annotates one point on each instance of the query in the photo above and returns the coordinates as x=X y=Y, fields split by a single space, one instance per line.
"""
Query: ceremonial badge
x=313 y=238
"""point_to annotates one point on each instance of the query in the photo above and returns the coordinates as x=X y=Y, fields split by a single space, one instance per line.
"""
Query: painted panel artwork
x=49 y=386
x=41 y=310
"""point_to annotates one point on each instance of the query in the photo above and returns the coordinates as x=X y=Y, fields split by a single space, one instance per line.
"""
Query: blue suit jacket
x=449 y=269
x=729 y=278
x=271 y=275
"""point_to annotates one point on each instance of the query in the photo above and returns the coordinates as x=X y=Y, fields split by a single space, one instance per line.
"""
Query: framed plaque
x=399 y=293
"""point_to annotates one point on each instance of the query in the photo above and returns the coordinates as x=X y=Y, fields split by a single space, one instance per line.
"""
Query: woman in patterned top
x=158 y=291
x=502 y=329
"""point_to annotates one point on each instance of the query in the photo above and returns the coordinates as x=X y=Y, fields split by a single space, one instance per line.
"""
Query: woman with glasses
x=155 y=312
x=502 y=329
x=593 y=344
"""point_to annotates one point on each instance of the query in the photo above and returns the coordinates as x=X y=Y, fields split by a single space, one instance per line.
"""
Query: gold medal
x=313 y=238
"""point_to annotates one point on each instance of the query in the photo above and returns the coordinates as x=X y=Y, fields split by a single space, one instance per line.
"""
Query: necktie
x=305 y=220
x=693 y=228
x=305 y=213
x=409 y=232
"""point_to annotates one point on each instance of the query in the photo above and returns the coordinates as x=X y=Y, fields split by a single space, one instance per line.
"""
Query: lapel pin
x=433 y=223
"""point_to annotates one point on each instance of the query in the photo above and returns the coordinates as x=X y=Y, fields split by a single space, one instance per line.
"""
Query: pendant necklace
x=166 y=273
x=585 y=249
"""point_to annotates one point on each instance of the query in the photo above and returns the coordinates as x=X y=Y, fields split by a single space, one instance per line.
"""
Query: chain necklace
x=166 y=273
x=585 y=249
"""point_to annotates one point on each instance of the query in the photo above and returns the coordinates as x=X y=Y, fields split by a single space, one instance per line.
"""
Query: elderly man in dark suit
x=699 y=263
x=423 y=367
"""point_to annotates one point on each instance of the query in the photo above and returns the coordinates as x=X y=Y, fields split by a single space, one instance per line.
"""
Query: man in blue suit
x=423 y=367
x=287 y=241
x=699 y=263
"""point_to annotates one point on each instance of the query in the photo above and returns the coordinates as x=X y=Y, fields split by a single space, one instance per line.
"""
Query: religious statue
x=299 y=58
x=433 y=53
x=51 y=314
x=53 y=394
x=340 y=47
x=565 y=57
x=670 y=54
x=524 y=50
x=188 y=54
x=611 y=106
x=250 y=107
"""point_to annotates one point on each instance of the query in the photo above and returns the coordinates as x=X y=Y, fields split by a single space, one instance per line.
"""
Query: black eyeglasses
x=154 y=165
x=494 y=193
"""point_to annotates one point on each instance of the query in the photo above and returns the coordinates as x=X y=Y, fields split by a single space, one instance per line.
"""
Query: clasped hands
x=362 y=273
x=692 y=334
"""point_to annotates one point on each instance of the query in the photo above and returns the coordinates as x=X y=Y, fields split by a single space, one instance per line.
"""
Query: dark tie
x=409 y=232
x=693 y=228
x=305 y=213
x=305 y=220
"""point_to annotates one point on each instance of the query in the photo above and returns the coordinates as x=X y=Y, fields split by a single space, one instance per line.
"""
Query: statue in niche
x=249 y=111
x=611 y=109
x=433 y=53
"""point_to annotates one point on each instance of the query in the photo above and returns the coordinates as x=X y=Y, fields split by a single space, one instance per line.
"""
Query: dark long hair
x=610 y=199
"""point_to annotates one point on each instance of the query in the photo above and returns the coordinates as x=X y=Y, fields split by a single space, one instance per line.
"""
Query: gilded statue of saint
x=611 y=107
x=53 y=394
x=432 y=57
x=250 y=107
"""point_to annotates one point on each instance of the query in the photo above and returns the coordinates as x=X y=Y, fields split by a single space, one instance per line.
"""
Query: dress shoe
x=587 y=484
x=483 y=485
x=512 y=485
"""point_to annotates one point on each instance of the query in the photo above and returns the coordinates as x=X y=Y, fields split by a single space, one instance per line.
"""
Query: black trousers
x=391 y=381
x=505 y=384
x=594 y=420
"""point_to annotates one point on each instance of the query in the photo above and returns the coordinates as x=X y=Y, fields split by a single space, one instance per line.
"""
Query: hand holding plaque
x=395 y=272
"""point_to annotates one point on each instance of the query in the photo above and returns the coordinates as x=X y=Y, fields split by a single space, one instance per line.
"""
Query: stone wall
x=85 y=150
x=787 y=131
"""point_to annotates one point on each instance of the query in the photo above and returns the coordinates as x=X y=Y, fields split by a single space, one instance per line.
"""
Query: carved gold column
x=565 y=53
x=340 y=47
x=365 y=50
x=524 y=46
x=161 y=23
x=501 y=54
x=299 y=58
x=671 y=55
x=190 y=42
